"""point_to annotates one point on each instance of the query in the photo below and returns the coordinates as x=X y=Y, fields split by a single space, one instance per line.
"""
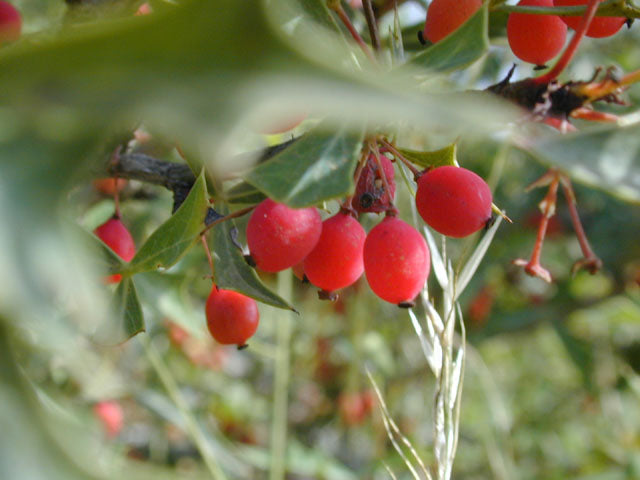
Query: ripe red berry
x=600 y=26
x=109 y=412
x=10 y=23
x=336 y=261
x=232 y=318
x=279 y=236
x=535 y=38
x=370 y=194
x=445 y=16
x=396 y=261
x=453 y=201
x=118 y=238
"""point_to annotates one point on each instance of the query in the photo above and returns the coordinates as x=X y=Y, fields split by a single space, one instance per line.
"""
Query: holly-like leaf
x=317 y=167
x=244 y=193
x=435 y=158
x=608 y=158
x=463 y=47
x=232 y=271
x=173 y=238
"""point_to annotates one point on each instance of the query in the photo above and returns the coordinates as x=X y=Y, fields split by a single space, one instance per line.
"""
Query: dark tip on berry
x=421 y=38
x=305 y=279
x=243 y=346
x=366 y=200
x=409 y=304
x=489 y=223
x=629 y=22
x=539 y=67
x=250 y=261
x=325 y=295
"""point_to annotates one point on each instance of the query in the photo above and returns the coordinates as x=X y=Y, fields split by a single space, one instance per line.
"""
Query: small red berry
x=10 y=23
x=109 y=186
x=453 y=201
x=445 y=16
x=118 y=238
x=279 y=236
x=370 y=194
x=336 y=260
x=232 y=318
x=396 y=260
x=600 y=26
x=109 y=412
x=535 y=38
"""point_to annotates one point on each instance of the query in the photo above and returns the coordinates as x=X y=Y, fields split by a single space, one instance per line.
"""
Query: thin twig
x=372 y=23
x=236 y=214
x=336 y=7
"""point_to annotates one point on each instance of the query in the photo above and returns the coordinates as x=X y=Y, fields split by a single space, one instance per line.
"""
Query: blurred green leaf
x=127 y=311
x=435 y=158
x=232 y=271
x=173 y=238
x=463 y=47
x=318 y=167
x=580 y=352
x=607 y=158
x=244 y=193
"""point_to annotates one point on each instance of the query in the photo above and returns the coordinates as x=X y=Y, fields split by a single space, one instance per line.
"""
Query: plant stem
x=336 y=7
x=281 y=384
x=372 y=23
x=237 y=213
x=193 y=430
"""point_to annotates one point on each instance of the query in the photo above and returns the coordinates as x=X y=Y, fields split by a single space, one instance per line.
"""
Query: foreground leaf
x=173 y=238
x=435 y=158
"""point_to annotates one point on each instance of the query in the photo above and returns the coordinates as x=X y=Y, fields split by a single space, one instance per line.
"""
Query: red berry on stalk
x=109 y=412
x=336 y=260
x=453 y=201
x=396 y=260
x=370 y=194
x=117 y=237
x=535 y=38
x=10 y=23
x=232 y=318
x=445 y=16
x=279 y=236
x=600 y=26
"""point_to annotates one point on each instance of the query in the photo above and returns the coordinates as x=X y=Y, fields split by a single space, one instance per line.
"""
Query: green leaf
x=435 y=158
x=607 y=158
x=463 y=47
x=173 y=238
x=125 y=318
x=244 y=193
x=317 y=167
x=580 y=352
x=232 y=271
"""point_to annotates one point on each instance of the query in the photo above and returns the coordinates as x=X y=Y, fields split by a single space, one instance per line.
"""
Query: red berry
x=453 y=201
x=279 y=236
x=600 y=26
x=10 y=23
x=535 y=38
x=370 y=194
x=118 y=238
x=110 y=413
x=232 y=318
x=396 y=260
x=336 y=261
x=445 y=16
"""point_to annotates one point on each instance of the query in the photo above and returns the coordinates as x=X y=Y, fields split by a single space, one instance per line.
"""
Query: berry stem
x=337 y=7
x=548 y=208
x=236 y=214
x=399 y=156
x=590 y=261
x=372 y=23
x=571 y=49
x=203 y=239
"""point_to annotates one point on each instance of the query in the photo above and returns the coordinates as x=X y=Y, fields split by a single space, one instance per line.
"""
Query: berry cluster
x=533 y=38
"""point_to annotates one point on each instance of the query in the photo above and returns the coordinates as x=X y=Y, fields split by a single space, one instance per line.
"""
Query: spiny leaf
x=172 y=239
x=232 y=271
x=317 y=167
x=435 y=158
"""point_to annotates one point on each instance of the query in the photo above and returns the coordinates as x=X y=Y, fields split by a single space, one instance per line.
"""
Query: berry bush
x=319 y=239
